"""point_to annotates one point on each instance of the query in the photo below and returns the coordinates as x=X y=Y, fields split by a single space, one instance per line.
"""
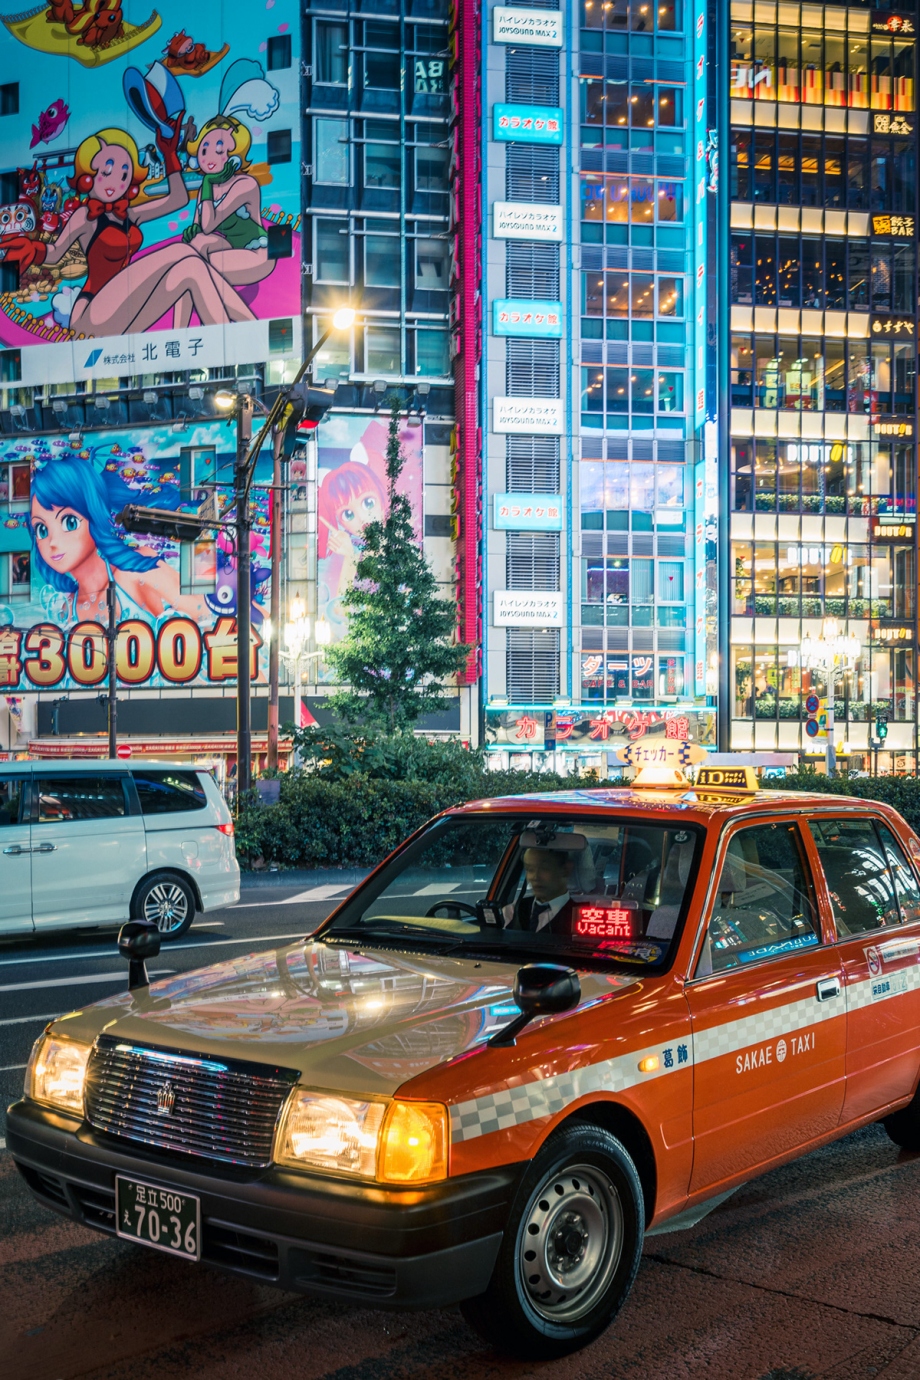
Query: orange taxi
x=544 y=1027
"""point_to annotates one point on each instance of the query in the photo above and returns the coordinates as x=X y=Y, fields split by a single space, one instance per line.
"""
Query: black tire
x=903 y=1127
x=167 y=899
x=580 y=1206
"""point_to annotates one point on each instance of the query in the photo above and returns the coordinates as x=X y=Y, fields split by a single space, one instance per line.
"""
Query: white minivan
x=97 y=842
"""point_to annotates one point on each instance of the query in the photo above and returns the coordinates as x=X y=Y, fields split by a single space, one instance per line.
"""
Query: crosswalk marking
x=120 y=976
x=436 y=889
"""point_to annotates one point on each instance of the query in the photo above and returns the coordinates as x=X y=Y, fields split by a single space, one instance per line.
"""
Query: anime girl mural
x=352 y=493
x=78 y=550
x=227 y=230
x=125 y=289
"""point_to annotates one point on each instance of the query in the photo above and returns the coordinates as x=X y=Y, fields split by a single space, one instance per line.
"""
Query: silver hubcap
x=166 y=905
x=570 y=1243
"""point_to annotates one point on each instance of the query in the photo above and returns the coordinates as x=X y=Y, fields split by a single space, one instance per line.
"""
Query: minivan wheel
x=570 y=1250
x=167 y=900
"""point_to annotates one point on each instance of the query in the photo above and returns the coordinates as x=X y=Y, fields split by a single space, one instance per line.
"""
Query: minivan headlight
x=396 y=1142
x=56 y=1072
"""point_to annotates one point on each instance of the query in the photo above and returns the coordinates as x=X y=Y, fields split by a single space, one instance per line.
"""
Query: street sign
x=123 y=750
x=812 y=704
x=812 y=728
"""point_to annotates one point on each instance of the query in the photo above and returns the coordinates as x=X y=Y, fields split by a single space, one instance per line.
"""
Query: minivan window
x=10 y=799
x=78 y=796
x=166 y=792
x=858 y=875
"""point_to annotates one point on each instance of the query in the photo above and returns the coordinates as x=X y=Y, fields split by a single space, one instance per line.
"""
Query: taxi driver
x=549 y=907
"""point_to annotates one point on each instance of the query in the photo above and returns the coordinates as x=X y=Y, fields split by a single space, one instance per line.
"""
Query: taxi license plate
x=159 y=1217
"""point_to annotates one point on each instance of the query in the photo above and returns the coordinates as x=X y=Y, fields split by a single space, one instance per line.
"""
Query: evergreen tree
x=399 y=646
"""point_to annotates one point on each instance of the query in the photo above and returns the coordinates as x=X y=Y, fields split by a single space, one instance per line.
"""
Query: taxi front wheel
x=570 y=1250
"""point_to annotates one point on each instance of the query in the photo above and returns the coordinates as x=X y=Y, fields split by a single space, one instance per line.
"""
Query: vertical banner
x=699 y=127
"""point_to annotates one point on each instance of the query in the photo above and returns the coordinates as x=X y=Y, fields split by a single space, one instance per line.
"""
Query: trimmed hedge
x=902 y=793
x=325 y=823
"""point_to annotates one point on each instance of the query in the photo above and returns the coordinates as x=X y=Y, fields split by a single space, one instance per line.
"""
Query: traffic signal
x=161 y=522
x=308 y=405
x=881 y=728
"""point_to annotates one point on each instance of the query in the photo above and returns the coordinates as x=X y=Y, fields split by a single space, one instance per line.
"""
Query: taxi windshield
x=587 y=888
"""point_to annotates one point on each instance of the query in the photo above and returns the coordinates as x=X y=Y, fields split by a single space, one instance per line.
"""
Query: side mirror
x=138 y=940
x=540 y=989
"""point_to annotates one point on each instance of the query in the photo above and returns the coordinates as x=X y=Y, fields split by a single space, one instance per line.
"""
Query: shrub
x=359 y=795
x=902 y=793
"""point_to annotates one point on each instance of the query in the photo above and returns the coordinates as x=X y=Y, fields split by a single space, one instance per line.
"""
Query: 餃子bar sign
x=177 y=652
x=536 y=28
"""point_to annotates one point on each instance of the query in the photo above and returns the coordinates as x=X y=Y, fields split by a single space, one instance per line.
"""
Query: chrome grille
x=218 y=1109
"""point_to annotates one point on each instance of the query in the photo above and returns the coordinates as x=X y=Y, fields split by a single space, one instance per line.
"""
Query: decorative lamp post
x=830 y=652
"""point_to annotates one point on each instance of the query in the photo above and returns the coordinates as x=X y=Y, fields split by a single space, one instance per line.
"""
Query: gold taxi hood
x=351 y=1021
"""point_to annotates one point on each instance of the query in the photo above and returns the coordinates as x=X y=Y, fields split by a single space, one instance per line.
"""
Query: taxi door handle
x=45 y=848
x=828 y=988
x=16 y=848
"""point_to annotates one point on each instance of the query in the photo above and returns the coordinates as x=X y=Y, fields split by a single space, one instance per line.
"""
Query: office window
x=432 y=264
x=279 y=146
x=9 y=98
x=332 y=259
x=330 y=52
x=383 y=163
x=382 y=69
x=330 y=152
x=431 y=169
x=432 y=352
x=280 y=241
x=278 y=54
x=382 y=350
x=382 y=259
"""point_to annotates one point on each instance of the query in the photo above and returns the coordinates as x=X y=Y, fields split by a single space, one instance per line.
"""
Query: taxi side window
x=857 y=873
x=763 y=905
x=905 y=879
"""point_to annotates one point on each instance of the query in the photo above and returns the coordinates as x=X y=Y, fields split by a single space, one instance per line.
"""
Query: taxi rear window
x=582 y=887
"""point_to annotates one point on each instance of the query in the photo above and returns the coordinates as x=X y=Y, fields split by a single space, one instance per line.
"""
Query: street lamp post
x=247 y=455
x=827 y=652
x=296 y=636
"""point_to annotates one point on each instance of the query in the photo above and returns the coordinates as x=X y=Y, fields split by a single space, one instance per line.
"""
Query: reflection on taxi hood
x=354 y=1021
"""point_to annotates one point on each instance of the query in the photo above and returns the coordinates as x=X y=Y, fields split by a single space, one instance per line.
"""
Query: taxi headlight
x=333 y=1133
x=413 y=1147
x=56 y=1072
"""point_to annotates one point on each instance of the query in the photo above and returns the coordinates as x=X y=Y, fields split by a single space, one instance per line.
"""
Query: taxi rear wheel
x=903 y=1127
x=570 y=1250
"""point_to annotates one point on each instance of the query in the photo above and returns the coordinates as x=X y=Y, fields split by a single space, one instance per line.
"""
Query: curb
x=301 y=877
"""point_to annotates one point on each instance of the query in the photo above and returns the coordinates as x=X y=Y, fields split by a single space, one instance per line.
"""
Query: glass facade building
x=820 y=513
x=596 y=308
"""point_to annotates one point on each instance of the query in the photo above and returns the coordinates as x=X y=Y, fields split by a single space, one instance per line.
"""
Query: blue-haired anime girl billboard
x=176 y=614
x=152 y=212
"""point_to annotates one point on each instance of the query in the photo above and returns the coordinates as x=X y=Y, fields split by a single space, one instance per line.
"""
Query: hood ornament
x=166 y=1099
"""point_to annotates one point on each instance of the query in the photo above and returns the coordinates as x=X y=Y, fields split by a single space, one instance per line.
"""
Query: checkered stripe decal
x=525 y=1102
x=546 y=1096
x=763 y=1025
x=860 y=994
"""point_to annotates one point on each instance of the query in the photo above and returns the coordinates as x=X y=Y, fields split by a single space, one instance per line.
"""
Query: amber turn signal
x=649 y=1064
x=413 y=1144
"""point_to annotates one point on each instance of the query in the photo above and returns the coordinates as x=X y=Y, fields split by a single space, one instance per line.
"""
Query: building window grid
x=421 y=349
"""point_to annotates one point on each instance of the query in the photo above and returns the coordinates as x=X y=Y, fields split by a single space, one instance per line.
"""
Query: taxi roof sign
x=731 y=778
x=667 y=777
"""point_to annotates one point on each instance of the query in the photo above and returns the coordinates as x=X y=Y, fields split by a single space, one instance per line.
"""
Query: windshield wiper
x=364 y=932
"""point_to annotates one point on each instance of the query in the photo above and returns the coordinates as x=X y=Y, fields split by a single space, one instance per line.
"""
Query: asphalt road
x=813 y=1271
